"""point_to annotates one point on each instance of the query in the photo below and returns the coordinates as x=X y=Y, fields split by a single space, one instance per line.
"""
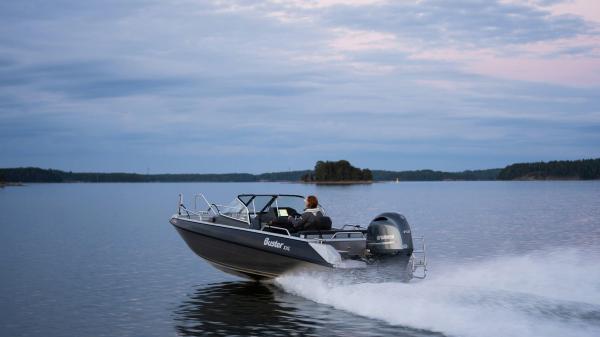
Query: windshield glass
x=245 y=198
x=259 y=202
x=236 y=209
x=297 y=203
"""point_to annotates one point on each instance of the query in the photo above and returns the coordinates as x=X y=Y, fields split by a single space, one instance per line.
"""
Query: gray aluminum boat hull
x=249 y=253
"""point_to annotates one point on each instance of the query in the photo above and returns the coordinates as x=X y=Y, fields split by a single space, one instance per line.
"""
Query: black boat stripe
x=257 y=248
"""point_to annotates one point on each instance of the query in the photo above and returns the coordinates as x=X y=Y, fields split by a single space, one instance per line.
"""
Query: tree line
x=323 y=171
x=584 y=169
x=430 y=175
x=38 y=175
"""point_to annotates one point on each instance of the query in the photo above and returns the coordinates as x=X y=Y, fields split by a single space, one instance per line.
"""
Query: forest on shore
x=324 y=171
x=585 y=169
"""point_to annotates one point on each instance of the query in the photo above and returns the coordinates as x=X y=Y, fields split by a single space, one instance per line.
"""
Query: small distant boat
x=251 y=238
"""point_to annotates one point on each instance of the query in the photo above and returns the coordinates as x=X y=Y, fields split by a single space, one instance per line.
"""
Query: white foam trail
x=349 y=264
x=541 y=294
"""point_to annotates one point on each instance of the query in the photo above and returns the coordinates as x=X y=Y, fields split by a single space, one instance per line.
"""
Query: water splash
x=540 y=294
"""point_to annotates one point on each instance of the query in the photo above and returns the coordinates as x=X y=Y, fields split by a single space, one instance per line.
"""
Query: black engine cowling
x=388 y=235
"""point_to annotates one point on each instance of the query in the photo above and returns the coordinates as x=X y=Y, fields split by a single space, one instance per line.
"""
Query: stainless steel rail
x=215 y=209
x=354 y=226
x=418 y=260
x=277 y=228
x=362 y=235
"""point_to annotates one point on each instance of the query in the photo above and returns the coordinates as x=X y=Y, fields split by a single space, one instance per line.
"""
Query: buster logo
x=276 y=244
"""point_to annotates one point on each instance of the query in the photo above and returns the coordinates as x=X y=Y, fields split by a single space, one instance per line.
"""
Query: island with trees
x=338 y=172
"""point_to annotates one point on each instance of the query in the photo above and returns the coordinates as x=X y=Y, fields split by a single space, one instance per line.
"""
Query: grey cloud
x=61 y=9
x=465 y=22
x=17 y=74
x=80 y=79
x=550 y=2
x=548 y=101
x=99 y=80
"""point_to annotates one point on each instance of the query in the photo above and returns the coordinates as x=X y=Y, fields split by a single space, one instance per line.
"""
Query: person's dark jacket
x=309 y=220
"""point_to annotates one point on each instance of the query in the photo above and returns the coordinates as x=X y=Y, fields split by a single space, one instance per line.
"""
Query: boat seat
x=320 y=223
x=324 y=223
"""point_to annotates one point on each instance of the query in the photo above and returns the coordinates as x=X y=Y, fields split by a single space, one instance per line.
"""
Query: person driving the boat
x=310 y=218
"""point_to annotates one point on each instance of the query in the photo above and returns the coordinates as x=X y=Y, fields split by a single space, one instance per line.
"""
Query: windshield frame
x=251 y=197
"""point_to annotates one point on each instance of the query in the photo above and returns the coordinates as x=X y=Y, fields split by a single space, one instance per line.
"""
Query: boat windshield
x=259 y=202
x=295 y=202
x=235 y=209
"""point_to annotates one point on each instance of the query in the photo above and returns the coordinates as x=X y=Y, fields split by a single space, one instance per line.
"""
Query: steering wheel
x=292 y=212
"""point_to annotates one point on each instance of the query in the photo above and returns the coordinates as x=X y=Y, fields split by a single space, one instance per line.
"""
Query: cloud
x=588 y=10
x=474 y=35
x=466 y=23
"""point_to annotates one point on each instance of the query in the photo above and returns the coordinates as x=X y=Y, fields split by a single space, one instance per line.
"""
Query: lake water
x=506 y=259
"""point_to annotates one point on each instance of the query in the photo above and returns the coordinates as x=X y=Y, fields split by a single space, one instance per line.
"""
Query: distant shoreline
x=586 y=169
x=38 y=175
x=4 y=184
x=328 y=183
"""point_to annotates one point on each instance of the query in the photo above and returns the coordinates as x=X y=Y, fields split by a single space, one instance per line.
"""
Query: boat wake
x=539 y=294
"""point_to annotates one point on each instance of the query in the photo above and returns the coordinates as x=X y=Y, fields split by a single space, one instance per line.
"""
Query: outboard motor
x=389 y=235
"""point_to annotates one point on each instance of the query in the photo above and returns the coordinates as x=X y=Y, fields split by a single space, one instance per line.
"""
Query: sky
x=184 y=86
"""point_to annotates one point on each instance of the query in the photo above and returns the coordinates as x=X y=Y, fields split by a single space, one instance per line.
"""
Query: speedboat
x=251 y=237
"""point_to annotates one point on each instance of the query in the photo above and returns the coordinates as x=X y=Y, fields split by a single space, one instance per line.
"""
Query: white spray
x=540 y=294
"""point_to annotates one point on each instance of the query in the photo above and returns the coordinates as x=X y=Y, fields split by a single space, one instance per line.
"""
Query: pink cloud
x=327 y=3
x=361 y=40
x=527 y=66
x=571 y=71
x=588 y=9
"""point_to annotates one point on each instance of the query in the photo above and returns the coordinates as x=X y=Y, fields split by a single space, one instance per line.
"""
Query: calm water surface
x=506 y=259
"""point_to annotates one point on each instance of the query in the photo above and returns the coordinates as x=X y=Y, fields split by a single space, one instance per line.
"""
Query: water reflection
x=239 y=308
x=256 y=309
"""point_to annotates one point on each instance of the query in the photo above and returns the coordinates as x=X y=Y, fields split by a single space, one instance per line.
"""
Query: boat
x=251 y=237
